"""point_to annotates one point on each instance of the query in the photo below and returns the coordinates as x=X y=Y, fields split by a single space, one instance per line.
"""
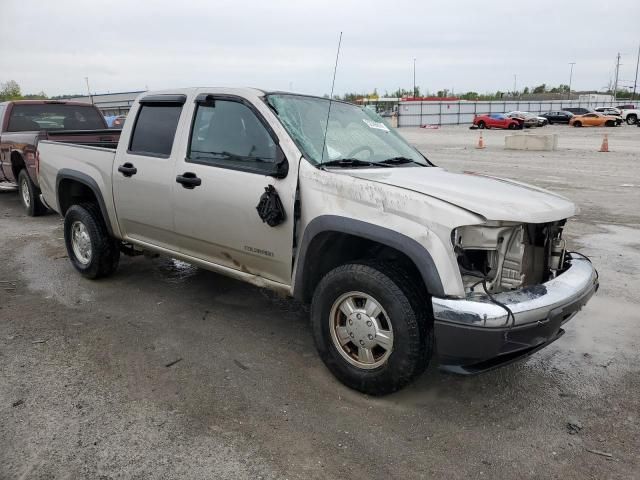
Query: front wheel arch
x=330 y=241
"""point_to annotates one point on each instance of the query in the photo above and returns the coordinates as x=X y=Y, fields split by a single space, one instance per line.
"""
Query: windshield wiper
x=400 y=161
x=350 y=162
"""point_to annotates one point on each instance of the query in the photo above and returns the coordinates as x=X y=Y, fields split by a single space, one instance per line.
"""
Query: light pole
x=86 y=79
x=570 y=78
x=635 y=82
x=414 y=78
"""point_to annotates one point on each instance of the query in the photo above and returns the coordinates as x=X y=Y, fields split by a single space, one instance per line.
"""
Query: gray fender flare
x=86 y=180
x=332 y=223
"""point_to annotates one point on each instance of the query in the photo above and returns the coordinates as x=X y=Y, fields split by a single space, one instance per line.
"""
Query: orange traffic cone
x=605 y=144
x=480 y=142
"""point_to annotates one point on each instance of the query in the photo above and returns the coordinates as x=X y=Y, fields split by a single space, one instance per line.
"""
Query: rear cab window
x=156 y=125
x=54 y=116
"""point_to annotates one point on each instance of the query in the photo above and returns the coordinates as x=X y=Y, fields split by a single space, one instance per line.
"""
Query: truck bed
x=95 y=162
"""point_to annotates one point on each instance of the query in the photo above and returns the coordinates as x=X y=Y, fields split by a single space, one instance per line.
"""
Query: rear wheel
x=632 y=119
x=90 y=248
x=371 y=327
x=481 y=124
x=29 y=195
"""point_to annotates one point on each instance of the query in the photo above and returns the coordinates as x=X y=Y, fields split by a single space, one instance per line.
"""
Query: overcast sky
x=290 y=45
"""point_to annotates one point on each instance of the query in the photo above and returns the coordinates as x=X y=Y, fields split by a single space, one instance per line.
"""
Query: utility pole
x=615 y=87
x=515 y=84
x=635 y=82
x=570 y=78
x=86 y=79
x=414 y=79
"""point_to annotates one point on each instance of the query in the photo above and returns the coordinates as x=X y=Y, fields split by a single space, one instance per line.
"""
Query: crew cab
x=321 y=200
x=24 y=123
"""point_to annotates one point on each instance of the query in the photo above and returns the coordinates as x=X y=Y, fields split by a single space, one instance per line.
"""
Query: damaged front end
x=521 y=286
x=502 y=257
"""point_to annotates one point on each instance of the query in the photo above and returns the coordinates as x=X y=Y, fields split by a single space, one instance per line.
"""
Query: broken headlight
x=508 y=256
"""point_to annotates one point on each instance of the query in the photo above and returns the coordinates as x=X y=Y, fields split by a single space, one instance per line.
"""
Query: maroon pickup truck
x=24 y=123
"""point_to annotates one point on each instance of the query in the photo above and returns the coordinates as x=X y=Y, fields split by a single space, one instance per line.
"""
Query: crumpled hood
x=492 y=197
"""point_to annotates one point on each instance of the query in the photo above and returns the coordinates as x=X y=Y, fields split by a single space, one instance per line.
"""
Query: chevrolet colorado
x=24 y=123
x=401 y=260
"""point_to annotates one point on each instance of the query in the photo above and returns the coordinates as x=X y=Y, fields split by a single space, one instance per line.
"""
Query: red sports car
x=496 y=120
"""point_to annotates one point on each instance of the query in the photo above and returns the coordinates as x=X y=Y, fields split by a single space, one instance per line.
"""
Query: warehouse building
x=111 y=104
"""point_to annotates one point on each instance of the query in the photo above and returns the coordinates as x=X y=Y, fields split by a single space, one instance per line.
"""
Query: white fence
x=414 y=114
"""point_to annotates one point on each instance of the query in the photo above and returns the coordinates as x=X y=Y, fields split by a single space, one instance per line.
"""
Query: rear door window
x=155 y=129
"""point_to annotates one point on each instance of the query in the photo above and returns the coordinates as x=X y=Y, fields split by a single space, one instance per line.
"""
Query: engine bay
x=508 y=257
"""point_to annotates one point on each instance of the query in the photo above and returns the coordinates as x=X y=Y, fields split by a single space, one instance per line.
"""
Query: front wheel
x=512 y=126
x=481 y=125
x=610 y=123
x=29 y=195
x=90 y=248
x=577 y=124
x=632 y=119
x=371 y=327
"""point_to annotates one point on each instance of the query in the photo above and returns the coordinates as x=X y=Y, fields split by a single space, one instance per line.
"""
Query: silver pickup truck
x=401 y=261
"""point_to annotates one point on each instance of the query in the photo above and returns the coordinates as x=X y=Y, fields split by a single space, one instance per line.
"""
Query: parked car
x=25 y=123
x=630 y=115
x=614 y=112
x=593 y=119
x=557 y=116
x=528 y=119
x=578 y=110
x=395 y=255
x=496 y=120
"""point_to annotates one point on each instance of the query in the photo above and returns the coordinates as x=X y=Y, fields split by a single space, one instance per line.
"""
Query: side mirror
x=281 y=166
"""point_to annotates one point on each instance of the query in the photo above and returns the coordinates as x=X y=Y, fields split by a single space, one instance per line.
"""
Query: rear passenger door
x=143 y=172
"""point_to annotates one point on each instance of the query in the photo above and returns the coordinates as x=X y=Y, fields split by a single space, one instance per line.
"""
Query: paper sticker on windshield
x=376 y=125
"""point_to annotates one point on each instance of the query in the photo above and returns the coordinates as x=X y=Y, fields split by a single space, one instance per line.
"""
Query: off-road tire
x=26 y=188
x=105 y=252
x=408 y=311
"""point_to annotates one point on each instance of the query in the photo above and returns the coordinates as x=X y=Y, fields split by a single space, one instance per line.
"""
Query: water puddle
x=175 y=271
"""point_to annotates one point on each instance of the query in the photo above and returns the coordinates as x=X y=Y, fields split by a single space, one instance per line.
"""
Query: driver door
x=230 y=157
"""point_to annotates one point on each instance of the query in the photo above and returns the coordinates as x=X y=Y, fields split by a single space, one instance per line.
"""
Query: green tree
x=10 y=91
x=540 y=88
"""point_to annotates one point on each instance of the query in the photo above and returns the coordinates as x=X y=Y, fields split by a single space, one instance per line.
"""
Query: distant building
x=111 y=103
x=595 y=97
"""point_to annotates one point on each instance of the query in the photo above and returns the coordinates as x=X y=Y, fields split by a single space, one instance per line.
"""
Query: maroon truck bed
x=24 y=123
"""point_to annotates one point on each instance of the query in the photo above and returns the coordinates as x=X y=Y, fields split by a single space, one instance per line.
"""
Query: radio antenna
x=333 y=84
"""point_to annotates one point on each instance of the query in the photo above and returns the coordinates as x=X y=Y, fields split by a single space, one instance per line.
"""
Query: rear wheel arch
x=17 y=164
x=75 y=188
x=330 y=241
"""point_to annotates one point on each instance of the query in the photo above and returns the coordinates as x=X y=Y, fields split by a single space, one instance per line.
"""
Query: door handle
x=189 y=180
x=127 y=169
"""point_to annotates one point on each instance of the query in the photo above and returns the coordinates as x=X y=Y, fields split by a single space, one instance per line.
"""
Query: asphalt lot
x=89 y=387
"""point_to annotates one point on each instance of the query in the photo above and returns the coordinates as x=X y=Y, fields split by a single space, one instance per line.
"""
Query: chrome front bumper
x=561 y=296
